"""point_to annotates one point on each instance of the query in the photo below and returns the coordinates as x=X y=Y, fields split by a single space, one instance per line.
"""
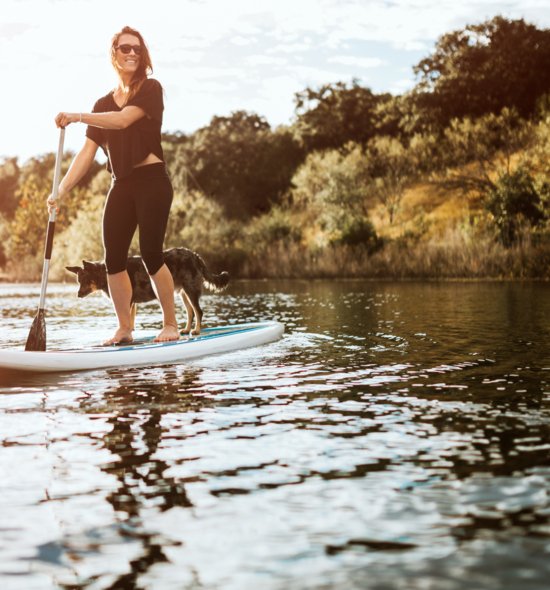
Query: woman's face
x=128 y=53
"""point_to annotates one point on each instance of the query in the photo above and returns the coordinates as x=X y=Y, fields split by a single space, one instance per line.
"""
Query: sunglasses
x=126 y=49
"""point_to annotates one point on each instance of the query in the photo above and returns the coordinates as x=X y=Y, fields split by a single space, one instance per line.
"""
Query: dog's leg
x=194 y=301
x=190 y=312
x=198 y=322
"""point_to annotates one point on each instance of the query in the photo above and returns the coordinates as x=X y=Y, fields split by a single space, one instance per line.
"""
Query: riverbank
x=458 y=258
x=435 y=236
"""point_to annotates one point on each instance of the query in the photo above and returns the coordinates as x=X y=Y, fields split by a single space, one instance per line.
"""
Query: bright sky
x=215 y=56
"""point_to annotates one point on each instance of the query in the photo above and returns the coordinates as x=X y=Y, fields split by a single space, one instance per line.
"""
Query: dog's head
x=92 y=276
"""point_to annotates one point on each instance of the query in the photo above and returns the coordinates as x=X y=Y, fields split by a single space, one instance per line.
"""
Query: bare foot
x=120 y=337
x=188 y=331
x=167 y=334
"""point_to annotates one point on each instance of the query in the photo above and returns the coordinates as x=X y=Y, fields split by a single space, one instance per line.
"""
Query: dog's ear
x=74 y=269
x=87 y=265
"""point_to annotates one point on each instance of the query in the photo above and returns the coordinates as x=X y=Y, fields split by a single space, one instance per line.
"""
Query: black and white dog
x=188 y=269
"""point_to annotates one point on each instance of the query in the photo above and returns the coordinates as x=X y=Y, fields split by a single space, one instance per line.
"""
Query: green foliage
x=483 y=148
x=330 y=179
x=427 y=153
x=28 y=227
x=199 y=223
x=474 y=139
x=9 y=180
x=278 y=224
x=336 y=114
x=4 y=239
x=401 y=117
x=358 y=231
x=81 y=240
x=262 y=200
x=484 y=68
x=99 y=184
x=239 y=162
x=177 y=149
x=538 y=154
x=194 y=218
x=331 y=195
x=29 y=223
x=391 y=168
x=514 y=202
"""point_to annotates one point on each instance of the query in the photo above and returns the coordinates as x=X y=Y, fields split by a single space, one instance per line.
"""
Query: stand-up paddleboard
x=144 y=352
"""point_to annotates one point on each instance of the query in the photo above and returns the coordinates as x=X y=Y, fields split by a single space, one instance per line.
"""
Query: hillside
x=360 y=184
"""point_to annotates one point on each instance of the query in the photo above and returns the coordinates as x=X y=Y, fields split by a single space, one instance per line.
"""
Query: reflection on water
x=398 y=436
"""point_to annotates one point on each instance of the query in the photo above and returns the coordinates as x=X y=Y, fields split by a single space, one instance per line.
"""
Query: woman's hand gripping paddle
x=37 y=335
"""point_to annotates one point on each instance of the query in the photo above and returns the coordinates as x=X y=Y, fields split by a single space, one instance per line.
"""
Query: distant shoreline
x=7 y=281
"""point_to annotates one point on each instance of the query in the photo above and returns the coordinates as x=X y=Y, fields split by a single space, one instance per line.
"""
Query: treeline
x=325 y=195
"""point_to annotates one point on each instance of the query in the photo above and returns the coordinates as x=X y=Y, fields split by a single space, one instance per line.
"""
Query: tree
x=539 y=150
x=199 y=223
x=28 y=227
x=481 y=150
x=514 y=201
x=493 y=157
x=390 y=170
x=330 y=197
x=335 y=114
x=239 y=162
x=80 y=237
x=177 y=150
x=400 y=117
x=29 y=223
x=9 y=178
x=483 y=68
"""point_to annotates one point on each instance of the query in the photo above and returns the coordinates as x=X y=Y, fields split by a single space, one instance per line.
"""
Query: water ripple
x=395 y=437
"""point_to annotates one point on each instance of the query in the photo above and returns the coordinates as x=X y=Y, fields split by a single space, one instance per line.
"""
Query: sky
x=214 y=57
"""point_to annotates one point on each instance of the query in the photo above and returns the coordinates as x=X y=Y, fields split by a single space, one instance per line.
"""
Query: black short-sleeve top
x=125 y=148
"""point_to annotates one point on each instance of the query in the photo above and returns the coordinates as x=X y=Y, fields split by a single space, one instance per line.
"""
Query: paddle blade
x=37 y=334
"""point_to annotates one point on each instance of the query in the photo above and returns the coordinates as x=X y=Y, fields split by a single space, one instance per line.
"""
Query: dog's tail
x=212 y=281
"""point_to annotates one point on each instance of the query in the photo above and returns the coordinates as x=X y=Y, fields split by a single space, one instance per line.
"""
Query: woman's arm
x=78 y=168
x=111 y=120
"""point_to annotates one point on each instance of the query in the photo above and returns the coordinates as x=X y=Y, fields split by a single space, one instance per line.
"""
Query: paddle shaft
x=51 y=221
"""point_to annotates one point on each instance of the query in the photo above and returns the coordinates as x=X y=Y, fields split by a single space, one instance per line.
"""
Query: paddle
x=37 y=335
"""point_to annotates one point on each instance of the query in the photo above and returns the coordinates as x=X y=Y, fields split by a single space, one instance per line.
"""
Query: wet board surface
x=145 y=351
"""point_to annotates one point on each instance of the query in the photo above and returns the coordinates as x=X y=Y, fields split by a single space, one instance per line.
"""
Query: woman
x=126 y=124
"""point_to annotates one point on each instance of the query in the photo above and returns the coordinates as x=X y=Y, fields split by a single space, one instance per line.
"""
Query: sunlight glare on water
x=397 y=436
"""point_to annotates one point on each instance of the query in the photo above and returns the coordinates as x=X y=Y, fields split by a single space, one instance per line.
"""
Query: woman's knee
x=115 y=263
x=153 y=261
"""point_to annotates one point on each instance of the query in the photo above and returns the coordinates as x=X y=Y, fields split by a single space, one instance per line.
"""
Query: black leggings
x=142 y=200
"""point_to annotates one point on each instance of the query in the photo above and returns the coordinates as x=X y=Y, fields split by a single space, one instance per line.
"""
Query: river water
x=397 y=436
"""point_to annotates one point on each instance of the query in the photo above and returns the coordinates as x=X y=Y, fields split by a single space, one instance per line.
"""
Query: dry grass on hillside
x=427 y=211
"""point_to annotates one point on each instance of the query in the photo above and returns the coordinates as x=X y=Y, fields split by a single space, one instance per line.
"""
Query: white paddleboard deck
x=144 y=352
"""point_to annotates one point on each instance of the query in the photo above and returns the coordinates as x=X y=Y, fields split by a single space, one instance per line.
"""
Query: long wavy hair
x=145 y=67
